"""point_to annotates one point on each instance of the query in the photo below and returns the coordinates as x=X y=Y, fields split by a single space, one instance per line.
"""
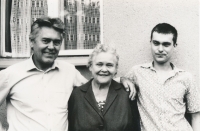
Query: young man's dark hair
x=165 y=28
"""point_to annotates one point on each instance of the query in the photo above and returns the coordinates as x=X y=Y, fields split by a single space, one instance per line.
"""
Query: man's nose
x=51 y=45
x=160 y=48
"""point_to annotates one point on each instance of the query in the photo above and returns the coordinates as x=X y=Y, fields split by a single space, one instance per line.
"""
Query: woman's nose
x=104 y=68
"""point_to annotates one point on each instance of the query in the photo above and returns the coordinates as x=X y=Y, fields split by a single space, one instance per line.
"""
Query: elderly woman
x=102 y=103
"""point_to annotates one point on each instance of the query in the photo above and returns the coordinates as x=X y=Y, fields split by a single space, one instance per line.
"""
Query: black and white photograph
x=99 y=65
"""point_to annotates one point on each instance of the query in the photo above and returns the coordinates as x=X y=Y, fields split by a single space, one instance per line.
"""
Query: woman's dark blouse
x=119 y=113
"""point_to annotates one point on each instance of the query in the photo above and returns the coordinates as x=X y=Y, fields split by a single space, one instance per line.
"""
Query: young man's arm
x=128 y=84
x=195 y=121
x=129 y=81
x=193 y=102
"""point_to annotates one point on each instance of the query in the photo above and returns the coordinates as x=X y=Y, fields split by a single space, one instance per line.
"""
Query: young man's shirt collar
x=151 y=66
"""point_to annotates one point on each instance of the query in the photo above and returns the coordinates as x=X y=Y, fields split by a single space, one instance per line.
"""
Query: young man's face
x=162 y=47
x=46 y=46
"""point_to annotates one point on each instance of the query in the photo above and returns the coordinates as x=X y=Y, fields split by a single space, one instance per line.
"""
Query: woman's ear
x=116 y=70
x=90 y=68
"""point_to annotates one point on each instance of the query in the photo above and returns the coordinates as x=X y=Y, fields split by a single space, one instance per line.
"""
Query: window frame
x=80 y=52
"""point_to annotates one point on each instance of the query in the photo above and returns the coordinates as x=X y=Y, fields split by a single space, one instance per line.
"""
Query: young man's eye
x=110 y=65
x=166 y=44
x=155 y=43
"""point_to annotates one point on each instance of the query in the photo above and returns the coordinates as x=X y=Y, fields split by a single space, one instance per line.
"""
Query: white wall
x=128 y=24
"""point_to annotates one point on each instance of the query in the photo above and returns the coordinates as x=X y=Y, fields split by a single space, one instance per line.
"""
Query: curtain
x=23 y=13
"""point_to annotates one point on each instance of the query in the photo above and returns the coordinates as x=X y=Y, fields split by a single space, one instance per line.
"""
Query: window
x=93 y=20
x=89 y=20
x=17 y=16
x=86 y=38
x=93 y=37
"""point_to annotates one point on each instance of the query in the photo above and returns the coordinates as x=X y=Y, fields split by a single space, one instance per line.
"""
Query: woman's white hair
x=102 y=48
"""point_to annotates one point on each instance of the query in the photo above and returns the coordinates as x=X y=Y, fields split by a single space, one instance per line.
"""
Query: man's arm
x=3 y=91
x=193 y=101
x=3 y=86
x=128 y=85
x=195 y=121
x=79 y=79
x=129 y=81
x=2 y=128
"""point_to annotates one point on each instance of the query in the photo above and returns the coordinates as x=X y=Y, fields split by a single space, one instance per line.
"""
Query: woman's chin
x=104 y=82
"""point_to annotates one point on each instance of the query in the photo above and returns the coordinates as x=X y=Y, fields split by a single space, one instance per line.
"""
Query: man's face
x=162 y=47
x=46 y=46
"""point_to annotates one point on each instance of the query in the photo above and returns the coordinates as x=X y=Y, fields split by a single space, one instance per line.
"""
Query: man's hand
x=129 y=86
x=196 y=121
x=1 y=127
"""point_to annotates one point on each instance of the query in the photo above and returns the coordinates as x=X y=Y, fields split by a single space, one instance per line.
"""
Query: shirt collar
x=31 y=66
x=150 y=66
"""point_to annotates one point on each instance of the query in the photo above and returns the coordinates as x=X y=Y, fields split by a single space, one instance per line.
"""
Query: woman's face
x=104 y=67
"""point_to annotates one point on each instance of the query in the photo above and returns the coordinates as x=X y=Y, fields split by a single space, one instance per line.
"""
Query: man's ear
x=31 y=43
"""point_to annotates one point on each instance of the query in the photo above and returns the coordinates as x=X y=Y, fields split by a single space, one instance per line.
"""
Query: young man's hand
x=129 y=86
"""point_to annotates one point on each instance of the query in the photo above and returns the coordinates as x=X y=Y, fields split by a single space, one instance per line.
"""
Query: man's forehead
x=162 y=37
x=48 y=32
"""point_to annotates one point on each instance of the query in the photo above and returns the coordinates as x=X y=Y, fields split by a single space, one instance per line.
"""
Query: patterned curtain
x=23 y=13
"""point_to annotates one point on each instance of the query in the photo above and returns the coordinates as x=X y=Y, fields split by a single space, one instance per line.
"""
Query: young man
x=165 y=92
x=37 y=90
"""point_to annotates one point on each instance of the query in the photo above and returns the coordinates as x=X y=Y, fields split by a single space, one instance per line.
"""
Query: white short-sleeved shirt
x=162 y=105
x=37 y=100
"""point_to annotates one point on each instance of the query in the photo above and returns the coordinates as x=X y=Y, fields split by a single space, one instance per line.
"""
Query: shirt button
x=101 y=127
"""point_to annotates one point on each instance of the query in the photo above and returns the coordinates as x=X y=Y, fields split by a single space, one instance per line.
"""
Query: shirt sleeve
x=131 y=75
x=192 y=96
x=4 y=90
x=79 y=79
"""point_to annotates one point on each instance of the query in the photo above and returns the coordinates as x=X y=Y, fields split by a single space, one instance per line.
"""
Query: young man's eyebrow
x=156 y=41
x=166 y=43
